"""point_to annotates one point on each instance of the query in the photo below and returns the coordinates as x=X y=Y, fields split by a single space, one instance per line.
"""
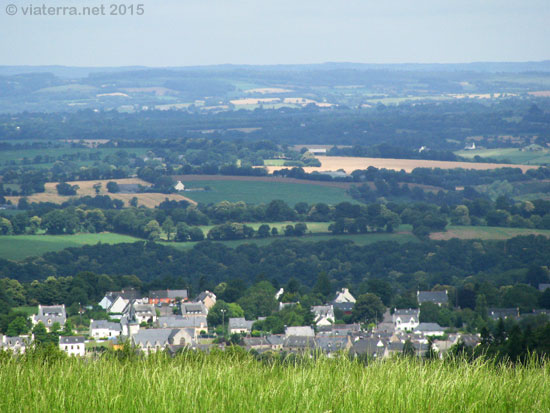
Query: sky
x=205 y=32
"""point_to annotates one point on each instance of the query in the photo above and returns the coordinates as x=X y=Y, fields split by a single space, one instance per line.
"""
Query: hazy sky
x=200 y=32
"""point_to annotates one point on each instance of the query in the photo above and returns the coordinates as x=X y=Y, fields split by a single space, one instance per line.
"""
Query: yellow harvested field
x=254 y=101
x=350 y=164
x=149 y=200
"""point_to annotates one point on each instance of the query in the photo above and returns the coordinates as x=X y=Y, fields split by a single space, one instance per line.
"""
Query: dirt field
x=149 y=200
x=541 y=93
x=350 y=164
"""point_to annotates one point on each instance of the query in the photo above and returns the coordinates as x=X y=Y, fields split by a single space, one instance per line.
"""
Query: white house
x=118 y=305
x=49 y=315
x=279 y=293
x=104 y=329
x=179 y=186
x=344 y=296
x=207 y=298
x=16 y=344
x=73 y=345
x=239 y=325
x=406 y=319
x=324 y=314
x=429 y=329
x=142 y=313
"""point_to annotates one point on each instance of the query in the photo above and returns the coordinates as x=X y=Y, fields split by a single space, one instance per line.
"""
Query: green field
x=254 y=192
x=29 y=310
x=312 y=227
x=18 y=247
x=358 y=239
x=274 y=162
x=238 y=383
x=512 y=154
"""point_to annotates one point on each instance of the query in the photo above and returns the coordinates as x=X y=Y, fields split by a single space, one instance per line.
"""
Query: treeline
x=440 y=125
x=101 y=213
x=468 y=269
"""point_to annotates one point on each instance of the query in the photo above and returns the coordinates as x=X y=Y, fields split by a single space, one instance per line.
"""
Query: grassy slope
x=18 y=247
x=263 y=192
x=215 y=383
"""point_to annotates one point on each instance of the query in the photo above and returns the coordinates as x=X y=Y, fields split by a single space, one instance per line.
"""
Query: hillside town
x=168 y=320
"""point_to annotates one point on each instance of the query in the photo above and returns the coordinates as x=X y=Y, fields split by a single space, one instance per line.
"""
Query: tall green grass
x=239 y=383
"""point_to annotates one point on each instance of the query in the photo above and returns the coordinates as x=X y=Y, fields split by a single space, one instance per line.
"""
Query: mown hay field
x=239 y=383
x=485 y=233
x=149 y=200
x=350 y=164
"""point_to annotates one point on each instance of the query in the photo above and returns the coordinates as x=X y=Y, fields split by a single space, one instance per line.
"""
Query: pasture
x=485 y=233
x=358 y=239
x=350 y=164
x=514 y=155
x=28 y=157
x=19 y=247
x=237 y=382
x=263 y=191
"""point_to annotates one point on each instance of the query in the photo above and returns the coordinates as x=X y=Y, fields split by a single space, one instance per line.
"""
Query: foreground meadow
x=199 y=383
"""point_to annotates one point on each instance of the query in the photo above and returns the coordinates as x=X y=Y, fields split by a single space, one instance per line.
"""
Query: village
x=168 y=320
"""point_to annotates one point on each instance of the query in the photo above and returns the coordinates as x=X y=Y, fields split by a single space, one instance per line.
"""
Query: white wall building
x=73 y=345
x=104 y=329
x=406 y=319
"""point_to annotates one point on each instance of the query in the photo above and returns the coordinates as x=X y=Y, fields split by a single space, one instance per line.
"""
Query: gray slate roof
x=345 y=307
x=96 y=324
x=400 y=312
x=504 y=313
x=240 y=323
x=193 y=308
x=301 y=331
x=172 y=294
x=71 y=340
x=154 y=336
x=51 y=314
x=436 y=297
x=178 y=321
x=429 y=327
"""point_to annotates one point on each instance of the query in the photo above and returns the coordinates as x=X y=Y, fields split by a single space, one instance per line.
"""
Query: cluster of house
x=151 y=325
x=164 y=328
